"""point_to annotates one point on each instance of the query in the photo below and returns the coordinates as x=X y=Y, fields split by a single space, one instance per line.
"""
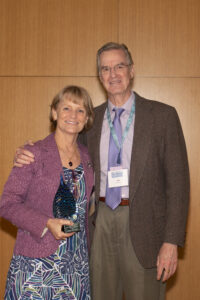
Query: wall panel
x=54 y=37
x=162 y=35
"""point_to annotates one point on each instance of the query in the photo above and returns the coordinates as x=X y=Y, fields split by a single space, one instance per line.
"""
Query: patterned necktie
x=113 y=195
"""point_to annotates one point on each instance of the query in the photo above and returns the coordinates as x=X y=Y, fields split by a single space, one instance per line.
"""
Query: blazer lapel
x=141 y=142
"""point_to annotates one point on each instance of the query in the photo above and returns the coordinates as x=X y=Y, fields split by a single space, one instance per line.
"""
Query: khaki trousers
x=114 y=266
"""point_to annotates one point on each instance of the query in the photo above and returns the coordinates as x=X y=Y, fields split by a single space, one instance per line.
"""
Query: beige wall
x=50 y=43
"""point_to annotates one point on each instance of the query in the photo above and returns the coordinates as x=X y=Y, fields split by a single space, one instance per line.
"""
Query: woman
x=49 y=263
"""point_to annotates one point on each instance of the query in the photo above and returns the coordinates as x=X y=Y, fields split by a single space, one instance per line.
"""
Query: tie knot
x=118 y=112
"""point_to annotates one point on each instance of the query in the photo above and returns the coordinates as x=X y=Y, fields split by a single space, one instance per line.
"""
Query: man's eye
x=120 y=66
x=105 y=69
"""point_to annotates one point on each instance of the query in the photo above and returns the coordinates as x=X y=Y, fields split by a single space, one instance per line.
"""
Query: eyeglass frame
x=117 y=68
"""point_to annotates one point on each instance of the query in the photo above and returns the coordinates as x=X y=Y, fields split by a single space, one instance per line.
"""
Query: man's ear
x=132 y=71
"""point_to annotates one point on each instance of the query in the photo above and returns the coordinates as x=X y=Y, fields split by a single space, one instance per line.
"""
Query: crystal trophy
x=64 y=207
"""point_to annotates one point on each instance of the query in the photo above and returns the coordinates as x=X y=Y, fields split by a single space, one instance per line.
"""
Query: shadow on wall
x=8 y=227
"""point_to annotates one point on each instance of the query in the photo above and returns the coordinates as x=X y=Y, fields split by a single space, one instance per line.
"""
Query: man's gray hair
x=114 y=46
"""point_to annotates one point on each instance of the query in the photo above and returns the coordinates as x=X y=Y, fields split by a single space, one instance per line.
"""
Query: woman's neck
x=66 y=141
x=68 y=150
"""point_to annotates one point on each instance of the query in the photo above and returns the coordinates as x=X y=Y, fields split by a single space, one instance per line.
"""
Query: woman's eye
x=66 y=108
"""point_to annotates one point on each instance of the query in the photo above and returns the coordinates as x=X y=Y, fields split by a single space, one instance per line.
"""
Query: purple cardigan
x=28 y=195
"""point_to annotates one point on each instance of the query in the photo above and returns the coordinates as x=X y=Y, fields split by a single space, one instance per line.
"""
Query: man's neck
x=118 y=100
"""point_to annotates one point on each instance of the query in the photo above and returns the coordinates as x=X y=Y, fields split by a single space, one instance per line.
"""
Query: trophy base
x=74 y=228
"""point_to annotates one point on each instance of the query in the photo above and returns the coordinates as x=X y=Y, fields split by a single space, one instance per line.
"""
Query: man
x=141 y=207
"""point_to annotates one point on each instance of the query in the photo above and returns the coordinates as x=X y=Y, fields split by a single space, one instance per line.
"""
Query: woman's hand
x=55 y=226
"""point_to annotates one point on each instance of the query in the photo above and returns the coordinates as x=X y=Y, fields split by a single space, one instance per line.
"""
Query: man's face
x=115 y=73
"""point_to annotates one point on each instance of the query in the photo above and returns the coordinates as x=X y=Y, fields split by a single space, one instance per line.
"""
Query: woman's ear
x=54 y=114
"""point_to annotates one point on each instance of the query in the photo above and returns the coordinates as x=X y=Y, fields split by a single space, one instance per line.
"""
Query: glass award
x=64 y=207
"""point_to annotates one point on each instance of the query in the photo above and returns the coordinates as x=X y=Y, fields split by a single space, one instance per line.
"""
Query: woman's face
x=71 y=117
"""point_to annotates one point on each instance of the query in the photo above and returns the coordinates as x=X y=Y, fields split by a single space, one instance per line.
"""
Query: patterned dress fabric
x=63 y=275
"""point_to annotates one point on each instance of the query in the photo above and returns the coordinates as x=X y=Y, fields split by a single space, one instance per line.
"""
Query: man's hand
x=167 y=261
x=23 y=156
x=55 y=226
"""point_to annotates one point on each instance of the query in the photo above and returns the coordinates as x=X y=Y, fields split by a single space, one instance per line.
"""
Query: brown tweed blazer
x=159 y=177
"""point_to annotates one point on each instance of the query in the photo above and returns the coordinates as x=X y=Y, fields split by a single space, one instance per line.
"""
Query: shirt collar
x=127 y=105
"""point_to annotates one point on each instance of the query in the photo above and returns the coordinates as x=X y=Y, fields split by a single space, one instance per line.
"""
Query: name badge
x=117 y=177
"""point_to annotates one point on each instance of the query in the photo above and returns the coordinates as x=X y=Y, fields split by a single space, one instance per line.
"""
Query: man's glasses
x=119 y=68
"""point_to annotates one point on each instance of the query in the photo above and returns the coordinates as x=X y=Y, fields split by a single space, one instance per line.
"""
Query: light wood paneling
x=183 y=94
x=54 y=37
x=163 y=36
x=7 y=241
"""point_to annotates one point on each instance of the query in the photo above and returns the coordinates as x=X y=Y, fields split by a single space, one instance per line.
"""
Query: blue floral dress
x=62 y=275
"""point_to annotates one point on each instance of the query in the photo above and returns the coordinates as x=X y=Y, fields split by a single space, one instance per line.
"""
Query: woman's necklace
x=70 y=163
